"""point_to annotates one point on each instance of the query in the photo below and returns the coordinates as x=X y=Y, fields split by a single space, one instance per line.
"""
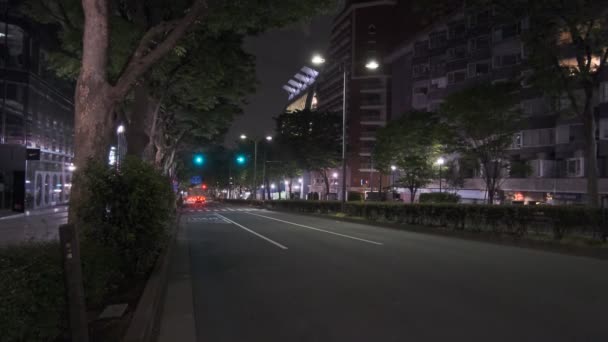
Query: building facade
x=361 y=32
x=469 y=47
x=37 y=113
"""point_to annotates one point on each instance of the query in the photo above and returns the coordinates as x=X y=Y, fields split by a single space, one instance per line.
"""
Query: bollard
x=72 y=270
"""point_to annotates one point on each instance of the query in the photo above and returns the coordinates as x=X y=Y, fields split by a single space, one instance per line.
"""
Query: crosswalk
x=220 y=210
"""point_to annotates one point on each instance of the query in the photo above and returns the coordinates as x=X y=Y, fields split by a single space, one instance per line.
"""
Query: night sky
x=279 y=56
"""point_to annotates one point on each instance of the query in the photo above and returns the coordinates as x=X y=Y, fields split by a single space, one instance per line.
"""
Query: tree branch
x=140 y=62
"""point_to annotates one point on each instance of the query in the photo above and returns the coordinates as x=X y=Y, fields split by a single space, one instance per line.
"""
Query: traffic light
x=240 y=159
x=198 y=160
x=204 y=186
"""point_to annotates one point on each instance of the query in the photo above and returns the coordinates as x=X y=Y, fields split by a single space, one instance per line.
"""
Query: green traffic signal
x=199 y=159
x=240 y=159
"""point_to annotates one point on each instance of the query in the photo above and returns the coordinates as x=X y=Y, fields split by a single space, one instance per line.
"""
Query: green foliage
x=312 y=138
x=355 y=196
x=439 y=197
x=479 y=124
x=128 y=212
x=32 y=304
x=412 y=144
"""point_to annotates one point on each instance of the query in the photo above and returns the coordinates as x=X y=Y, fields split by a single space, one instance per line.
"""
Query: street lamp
x=440 y=162
x=255 y=162
x=393 y=169
x=71 y=168
x=372 y=64
x=318 y=60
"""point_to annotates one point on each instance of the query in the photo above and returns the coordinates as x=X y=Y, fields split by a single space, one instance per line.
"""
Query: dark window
x=438 y=39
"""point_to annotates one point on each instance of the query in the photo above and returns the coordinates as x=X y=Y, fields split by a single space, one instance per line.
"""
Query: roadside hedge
x=556 y=221
x=32 y=296
x=439 y=197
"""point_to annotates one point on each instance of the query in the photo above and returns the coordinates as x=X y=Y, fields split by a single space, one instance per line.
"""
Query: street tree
x=411 y=144
x=567 y=49
x=108 y=71
x=313 y=139
x=480 y=123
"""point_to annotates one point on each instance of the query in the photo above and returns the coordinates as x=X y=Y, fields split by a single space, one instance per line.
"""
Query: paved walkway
x=38 y=225
x=177 y=320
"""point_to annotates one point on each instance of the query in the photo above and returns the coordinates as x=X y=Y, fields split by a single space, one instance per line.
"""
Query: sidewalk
x=9 y=214
x=177 y=319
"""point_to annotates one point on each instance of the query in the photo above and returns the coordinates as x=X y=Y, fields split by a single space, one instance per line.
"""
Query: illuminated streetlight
x=300 y=180
x=335 y=175
x=243 y=137
x=72 y=168
x=393 y=167
x=272 y=186
x=269 y=138
x=440 y=162
x=372 y=64
x=317 y=59
x=286 y=182
x=120 y=129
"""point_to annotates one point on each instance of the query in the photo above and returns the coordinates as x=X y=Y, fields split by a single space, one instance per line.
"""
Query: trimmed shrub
x=32 y=296
x=439 y=197
x=355 y=196
x=128 y=212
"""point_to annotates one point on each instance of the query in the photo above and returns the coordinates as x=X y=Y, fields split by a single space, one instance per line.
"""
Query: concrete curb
x=547 y=246
x=144 y=324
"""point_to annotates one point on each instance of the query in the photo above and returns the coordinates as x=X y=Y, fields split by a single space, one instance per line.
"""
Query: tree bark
x=591 y=159
x=139 y=123
x=93 y=105
x=380 y=187
x=412 y=194
x=326 y=181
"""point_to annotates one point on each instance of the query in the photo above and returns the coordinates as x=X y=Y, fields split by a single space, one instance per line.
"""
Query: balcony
x=368 y=135
x=371 y=119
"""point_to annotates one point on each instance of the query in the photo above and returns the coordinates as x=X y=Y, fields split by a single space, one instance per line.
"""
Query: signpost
x=196 y=180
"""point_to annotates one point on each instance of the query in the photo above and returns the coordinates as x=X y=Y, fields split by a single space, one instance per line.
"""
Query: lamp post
x=440 y=162
x=393 y=168
x=255 y=162
x=370 y=65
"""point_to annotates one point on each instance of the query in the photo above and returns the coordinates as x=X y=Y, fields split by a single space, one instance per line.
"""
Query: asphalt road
x=40 y=225
x=268 y=276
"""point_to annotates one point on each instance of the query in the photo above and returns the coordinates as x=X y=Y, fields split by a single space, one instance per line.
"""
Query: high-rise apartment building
x=363 y=31
x=472 y=46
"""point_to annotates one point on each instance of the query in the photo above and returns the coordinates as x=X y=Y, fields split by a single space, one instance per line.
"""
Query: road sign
x=196 y=180
x=33 y=154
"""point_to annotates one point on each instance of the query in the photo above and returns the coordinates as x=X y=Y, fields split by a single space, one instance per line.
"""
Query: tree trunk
x=150 y=150
x=93 y=103
x=591 y=159
x=412 y=194
x=290 y=194
x=268 y=189
x=380 y=187
x=140 y=122
x=326 y=181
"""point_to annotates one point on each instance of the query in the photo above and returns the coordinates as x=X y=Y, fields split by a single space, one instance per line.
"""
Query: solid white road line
x=251 y=231
x=319 y=229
